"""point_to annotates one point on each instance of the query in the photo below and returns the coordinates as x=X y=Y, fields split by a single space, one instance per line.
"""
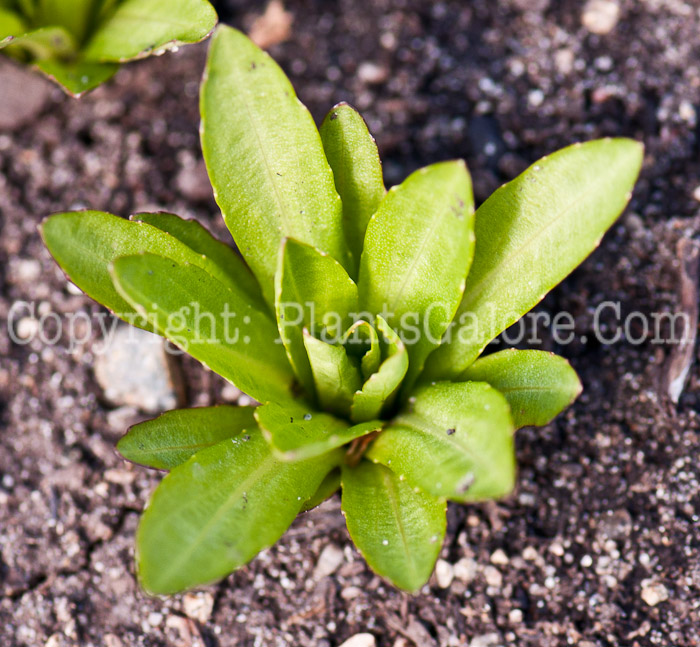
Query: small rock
x=230 y=393
x=493 y=577
x=600 y=16
x=515 y=616
x=155 y=618
x=696 y=193
x=444 y=573
x=134 y=369
x=26 y=270
x=465 y=569
x=111 y=640
x=564 y=60
x=556 y=549
x=360 y=640
x=193 y=182
x=329 y=561
x=499 y=558
x=486 y=640
x=24 y=94
x=119 y=477
x=273 y=27
x=530 y=554
x=121 y=418
x=615 y=525
x=654 y=593
x=372 y=73
x=350 y=592
x=198 y=606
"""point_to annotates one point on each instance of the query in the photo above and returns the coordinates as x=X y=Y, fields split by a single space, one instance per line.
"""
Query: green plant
x=80 y=43
x=402 y=422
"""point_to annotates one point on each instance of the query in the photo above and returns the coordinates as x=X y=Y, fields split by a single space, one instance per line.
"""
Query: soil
x=600 y=543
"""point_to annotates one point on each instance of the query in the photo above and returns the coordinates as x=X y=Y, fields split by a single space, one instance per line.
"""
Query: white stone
x=499 y=558
x=329 y=561
x=360 y=640
x=600 y=16
x=654 y=593
x=134 y=369
x=444 y=573
x=465 y=569
x=198 y=606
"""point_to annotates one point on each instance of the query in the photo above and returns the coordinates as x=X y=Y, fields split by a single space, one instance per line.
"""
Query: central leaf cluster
x=383 y=303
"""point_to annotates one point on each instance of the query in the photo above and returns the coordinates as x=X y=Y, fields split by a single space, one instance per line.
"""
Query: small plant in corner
x=80 y=43
x=358 y=321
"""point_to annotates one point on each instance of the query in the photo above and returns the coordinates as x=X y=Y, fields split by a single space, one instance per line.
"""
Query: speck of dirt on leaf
x=307 y=416
x=451 y=431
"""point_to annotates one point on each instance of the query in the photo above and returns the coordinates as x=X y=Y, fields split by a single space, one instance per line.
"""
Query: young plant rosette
x=358 y=321
x=80 y=43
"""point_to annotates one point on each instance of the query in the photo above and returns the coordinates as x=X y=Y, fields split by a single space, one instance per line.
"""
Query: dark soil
x=607 y=504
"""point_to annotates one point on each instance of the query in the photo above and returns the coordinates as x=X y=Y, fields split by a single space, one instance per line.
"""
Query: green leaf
x=312 y=291
x=42 y=43
x=11 y=24
x=398 y=530
x=77 y=77
x=357 y=170
x=361 y=340
x=417 y=252
x=455 y=441
x=265 y=158
x=296 y=431
x=231 y=268
x=533 y=232
x=538 y=385
x=138 y=28
x=173 y=437
x=378 y=392
x=74 y=15
x=329 y=486
x=84 y=243
x=336 y=376
x=206 y=319
x=215 y=512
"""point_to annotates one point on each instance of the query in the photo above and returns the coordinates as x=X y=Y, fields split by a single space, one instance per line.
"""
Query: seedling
x=80 y=43
x=358 y=320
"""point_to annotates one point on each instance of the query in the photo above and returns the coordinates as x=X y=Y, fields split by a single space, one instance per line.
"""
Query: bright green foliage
x=360 y=329
x=278 y=183
x=398 y=530
x=80 y=43
x=537 y=385
x=175 y=436
x=532 y=233
x=357 y=170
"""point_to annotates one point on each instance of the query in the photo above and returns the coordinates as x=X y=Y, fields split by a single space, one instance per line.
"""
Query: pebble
x=696 y=193
x=486 y=640
x=24 y=92
x=198 y=606
x=654 y=593
x=329 y=561
x=444 y=573
x=600 y=16
x=372 y=73
x=493 y=577
x=515 y=616
x=499 y=558
x=25 y=270
x=193 y=182
x=360 y=640
x=465 y=569
x=134 y=370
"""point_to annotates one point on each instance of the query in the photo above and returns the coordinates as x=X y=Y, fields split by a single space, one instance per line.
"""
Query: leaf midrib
x=473 y=294
x=233 y=498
